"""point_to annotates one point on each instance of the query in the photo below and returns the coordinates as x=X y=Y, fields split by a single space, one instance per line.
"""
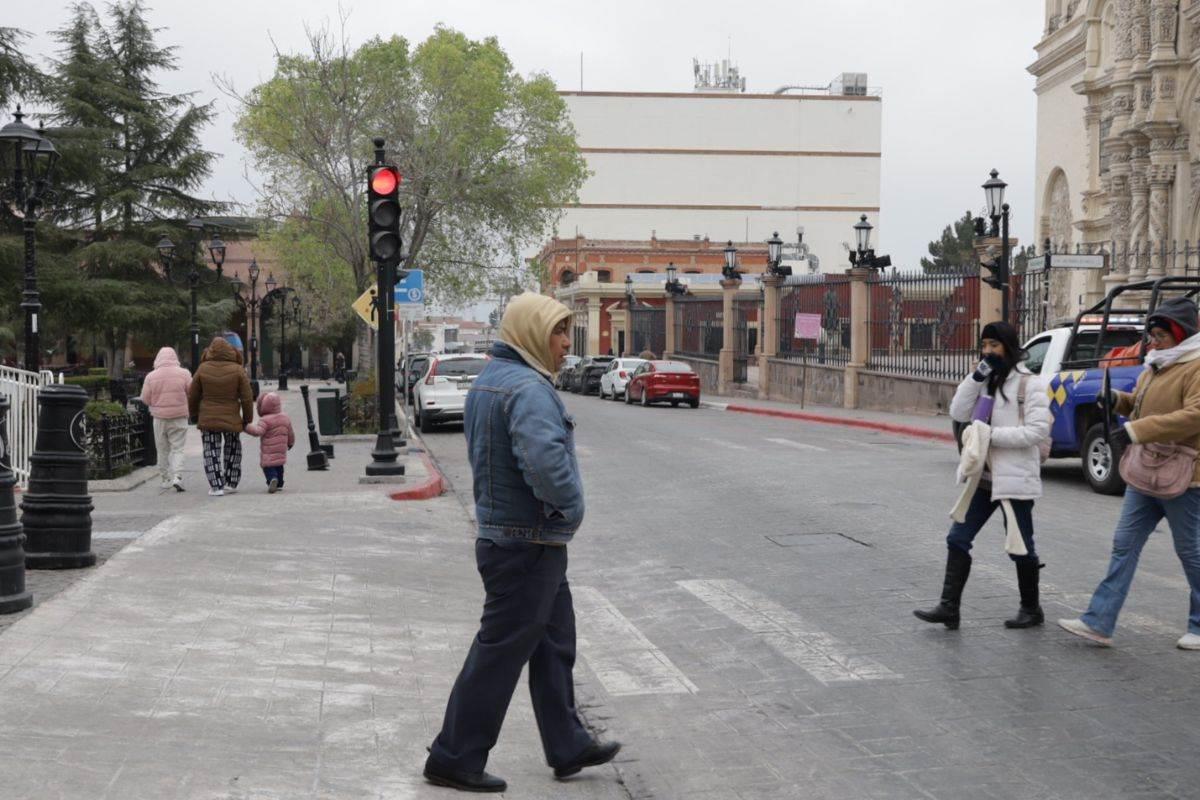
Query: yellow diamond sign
x=364 y=306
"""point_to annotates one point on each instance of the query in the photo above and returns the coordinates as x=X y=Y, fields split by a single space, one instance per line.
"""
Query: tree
x=19 y=77
x=422 y=341
x=955 y=250
x=131 y=162
x=488 y=157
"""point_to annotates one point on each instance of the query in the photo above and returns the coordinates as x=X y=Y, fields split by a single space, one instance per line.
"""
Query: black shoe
x=438 y=775
x=958 y=567
x=1030 y=613
x=593 y=756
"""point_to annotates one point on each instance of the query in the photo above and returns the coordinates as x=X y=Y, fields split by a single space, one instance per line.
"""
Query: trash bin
x=330 y=411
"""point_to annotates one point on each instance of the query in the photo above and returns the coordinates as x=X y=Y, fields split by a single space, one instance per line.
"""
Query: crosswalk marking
x=624 y=660
x=725 y=444
x=798 y=445
x=816 y=652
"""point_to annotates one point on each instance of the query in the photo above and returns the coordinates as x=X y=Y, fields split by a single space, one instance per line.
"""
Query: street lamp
x=276 y=302
x=194 y=276
x=730 y=269
x=299 y=332
x=673 y=286
x=251 y=304
x=998 y=211
x=863 y=255
x=630 y=297
x=31 y=158
x=775 y=256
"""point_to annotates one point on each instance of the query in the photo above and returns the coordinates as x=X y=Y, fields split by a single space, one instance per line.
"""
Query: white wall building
x=728 y=165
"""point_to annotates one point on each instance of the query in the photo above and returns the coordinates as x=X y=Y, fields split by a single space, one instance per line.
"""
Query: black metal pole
x=384 y=456
x=29 y=297
x=1046 y=284
x=194 y=280
x=283 y=380
x=1005 y=278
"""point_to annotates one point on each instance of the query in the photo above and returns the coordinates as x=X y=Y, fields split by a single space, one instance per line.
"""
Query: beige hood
x=526 y=327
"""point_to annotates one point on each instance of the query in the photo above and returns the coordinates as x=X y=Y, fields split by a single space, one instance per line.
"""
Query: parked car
x=413 y=368
x=615 y=378
x=441 y=395
x=664 y=382
x=587 y=378
x=565 y=374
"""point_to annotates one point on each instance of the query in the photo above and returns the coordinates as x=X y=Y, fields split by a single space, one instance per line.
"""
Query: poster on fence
x=808 y=326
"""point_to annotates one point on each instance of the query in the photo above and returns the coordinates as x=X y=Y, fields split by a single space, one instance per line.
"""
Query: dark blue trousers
x=962 y=534
x=527 y=618
x=274 y=472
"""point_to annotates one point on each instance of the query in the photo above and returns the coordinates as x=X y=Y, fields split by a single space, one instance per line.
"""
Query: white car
x=441 y=393
x=616 y=377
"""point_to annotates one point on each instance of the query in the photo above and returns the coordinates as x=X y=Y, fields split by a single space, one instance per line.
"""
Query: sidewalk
x=259 y=647
x=937 y=427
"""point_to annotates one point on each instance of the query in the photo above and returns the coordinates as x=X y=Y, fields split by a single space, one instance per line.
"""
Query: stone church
x=1118 y=135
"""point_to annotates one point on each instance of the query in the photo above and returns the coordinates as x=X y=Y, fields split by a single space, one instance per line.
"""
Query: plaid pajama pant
x=226 y=447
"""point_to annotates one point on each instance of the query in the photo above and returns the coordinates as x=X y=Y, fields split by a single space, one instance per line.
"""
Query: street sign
x=364 y=307
x=411 y=289
x=1068 y=261
x=410 y=311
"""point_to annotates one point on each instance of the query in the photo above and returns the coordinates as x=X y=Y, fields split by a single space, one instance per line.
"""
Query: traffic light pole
x=384 y=456
x=1005 y=277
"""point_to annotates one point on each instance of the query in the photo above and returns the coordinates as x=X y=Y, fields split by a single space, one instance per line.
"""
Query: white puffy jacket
x=1016 y=463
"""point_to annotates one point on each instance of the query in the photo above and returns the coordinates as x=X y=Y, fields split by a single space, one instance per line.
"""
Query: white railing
x=21 y=388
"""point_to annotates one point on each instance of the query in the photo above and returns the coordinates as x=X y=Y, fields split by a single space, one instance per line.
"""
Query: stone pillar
x=729 y=290
x=1161 y=177
x=594 y=338
x=768 y=332
x=1139 y=217
x=860 y=333
x=669 y=324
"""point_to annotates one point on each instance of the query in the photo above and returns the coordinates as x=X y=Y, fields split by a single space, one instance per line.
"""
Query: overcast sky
x=957 y=100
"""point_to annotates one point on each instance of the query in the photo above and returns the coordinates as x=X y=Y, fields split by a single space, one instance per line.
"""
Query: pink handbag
x=1162 y=470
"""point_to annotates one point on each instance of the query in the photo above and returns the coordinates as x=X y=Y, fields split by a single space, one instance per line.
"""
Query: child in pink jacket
x=275 y=429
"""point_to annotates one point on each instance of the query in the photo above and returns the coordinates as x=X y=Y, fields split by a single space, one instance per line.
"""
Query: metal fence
x=814 y=320
x=922 y=324
x=116 y=444
x=699 y=327
x=649 y=328
x=579 y=332
x=22 y=389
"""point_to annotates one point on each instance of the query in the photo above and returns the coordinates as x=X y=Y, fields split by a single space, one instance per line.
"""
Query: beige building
x=1118 y=87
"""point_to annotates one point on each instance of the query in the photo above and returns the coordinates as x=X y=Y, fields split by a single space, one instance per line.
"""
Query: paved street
x=744 y=588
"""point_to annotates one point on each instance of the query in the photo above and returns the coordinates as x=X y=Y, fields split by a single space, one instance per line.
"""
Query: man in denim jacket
x=529 y=503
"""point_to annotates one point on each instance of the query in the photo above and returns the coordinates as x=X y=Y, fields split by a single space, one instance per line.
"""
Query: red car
x=664 y=382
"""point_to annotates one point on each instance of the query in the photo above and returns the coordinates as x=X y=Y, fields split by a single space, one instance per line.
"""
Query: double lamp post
x=195 y=275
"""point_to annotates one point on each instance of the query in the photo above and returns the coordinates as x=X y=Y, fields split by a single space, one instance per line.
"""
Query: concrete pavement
x=297 y=645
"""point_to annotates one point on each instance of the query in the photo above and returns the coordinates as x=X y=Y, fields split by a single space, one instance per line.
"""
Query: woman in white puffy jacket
x=1020 y=421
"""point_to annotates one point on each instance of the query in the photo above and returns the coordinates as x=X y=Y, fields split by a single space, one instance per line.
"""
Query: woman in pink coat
x=165 y=393
x=275 y=429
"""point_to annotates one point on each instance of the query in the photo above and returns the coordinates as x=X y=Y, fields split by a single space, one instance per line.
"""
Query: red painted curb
x=431 y=487
x=886 y=427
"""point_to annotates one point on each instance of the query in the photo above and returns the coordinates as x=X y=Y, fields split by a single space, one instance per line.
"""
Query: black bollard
x=317 y=459
x=13 y=596
x=57 y=511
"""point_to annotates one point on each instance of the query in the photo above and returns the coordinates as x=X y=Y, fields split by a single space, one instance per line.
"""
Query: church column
x=1161 y=177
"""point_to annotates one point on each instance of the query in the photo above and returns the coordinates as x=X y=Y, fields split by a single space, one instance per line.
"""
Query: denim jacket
x=521 y=442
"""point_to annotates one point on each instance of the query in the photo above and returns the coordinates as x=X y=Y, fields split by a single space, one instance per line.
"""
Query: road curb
x=885 y=427
x=431 y=487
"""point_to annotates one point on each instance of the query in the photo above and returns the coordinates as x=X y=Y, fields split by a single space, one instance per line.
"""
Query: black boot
x=958 y=567
x=1027 y=582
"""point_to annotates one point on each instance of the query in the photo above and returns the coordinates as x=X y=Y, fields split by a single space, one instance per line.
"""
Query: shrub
x=88 y=381
x=95 y=409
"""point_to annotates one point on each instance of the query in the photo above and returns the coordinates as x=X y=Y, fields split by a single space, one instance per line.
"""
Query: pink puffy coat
x=165 y=389
x=275 y=428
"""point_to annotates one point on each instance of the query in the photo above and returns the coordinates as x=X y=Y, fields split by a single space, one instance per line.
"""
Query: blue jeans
x=962 y=534
x=1140 y=515
x=274 y=472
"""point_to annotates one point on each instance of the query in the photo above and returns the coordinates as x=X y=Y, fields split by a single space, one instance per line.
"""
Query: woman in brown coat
x=220 y=397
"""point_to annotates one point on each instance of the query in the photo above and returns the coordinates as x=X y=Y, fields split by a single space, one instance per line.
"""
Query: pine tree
x=955 y=250
x=19 y=77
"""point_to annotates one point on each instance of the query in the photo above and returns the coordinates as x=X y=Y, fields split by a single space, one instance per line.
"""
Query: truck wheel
x=1100 y=464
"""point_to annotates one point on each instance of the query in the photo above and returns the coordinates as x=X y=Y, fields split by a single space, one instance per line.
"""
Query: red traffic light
x=384 y=181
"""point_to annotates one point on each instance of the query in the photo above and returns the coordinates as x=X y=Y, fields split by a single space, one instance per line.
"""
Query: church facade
x=1118 y=136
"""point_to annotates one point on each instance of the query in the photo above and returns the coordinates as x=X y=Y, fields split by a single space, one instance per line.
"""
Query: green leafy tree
x=955 y=250
x=422 y=341
x=488 y=156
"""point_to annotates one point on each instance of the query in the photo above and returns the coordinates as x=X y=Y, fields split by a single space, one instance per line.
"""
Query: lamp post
x=864 y=255
x=299 y=320
x=194 y=276
x=998 y=211
x=673 y=286
x=31 y=157
x=730 y=269
x=276 y=302
x=251 y=304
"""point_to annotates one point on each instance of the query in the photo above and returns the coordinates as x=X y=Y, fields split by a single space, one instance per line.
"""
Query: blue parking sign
x=411 y=290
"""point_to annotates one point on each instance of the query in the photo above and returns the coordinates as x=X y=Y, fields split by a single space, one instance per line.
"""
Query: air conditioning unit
x=851 y=83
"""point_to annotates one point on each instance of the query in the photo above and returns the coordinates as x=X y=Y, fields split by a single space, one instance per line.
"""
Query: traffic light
x=999 y=272
x=383 y=212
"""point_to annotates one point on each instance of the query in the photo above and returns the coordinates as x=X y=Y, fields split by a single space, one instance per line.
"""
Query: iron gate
x=649 y=328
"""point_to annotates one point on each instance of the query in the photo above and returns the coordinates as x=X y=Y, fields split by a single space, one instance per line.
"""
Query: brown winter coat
x=1170 y=410
x=220 y=392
